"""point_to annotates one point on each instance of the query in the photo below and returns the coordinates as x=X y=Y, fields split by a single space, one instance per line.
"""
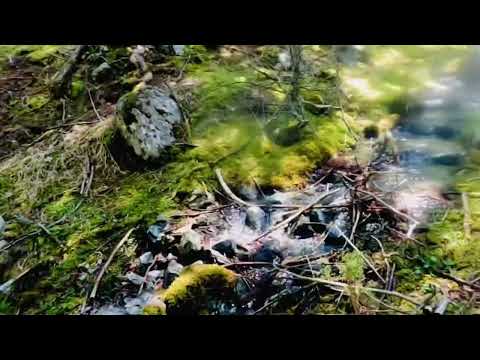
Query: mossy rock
x=151 y=122
x=198 y=284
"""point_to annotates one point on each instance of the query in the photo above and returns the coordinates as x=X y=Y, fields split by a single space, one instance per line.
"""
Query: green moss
x=44 y=52
x=352 y=267
x=78 y=88
x=35 y=111
x=37 y=102
x=35 y=53
x=6 y=307
x=196 y=285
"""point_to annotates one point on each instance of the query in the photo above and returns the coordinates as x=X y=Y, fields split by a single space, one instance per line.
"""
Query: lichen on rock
x=150 y=121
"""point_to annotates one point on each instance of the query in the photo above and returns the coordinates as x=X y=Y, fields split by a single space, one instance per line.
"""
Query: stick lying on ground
x=295 y=215
x=228 y=191
x=399 y=213
x=102 y=272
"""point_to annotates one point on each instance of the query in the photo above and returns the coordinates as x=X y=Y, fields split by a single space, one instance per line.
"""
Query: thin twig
x=391 y=208
x=361 y=254
x=343 y=285
x=105 y=266
x=228 y=191
x=93 y=105
x=294 y=216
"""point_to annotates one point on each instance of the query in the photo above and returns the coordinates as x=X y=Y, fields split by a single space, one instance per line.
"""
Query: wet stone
x=226 y=247
x=337 y=228
x=146 y=258
x=303 y=230
x=154 y=275
x=134 y=278
x=157 y=231
x=266 y=254
x=173 y=271
x=256 y=218
x=248 y=192
x=191 y=241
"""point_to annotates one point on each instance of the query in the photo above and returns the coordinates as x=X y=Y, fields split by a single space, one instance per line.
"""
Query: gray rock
x=191 y=241
x=150 y=121
x=226 y=247
x=3 y=225
x=171 y=257
x=174 y=267
x=157 y=231
x=248 y=192
x=154 y=275
x=336 y=229
x=173 y=270
x=134 y=278
x=256 y=218
x=146 y=258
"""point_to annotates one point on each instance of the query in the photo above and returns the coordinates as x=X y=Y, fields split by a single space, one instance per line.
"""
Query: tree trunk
x=294 y=97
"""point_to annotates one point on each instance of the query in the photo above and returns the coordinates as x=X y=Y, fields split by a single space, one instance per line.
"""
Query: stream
x=431 y=147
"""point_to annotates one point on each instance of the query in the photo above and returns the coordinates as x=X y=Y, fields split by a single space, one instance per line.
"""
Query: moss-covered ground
x=237 y=124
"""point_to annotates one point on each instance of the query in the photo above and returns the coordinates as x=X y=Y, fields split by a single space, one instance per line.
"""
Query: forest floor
x=81 y=234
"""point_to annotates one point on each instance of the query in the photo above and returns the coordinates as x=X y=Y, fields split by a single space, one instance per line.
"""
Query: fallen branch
x=228 y=191
x=107 y=263
x=93 y=105
x=295 y=215
x=458 y=280
x=391 y=208
x=343 y=286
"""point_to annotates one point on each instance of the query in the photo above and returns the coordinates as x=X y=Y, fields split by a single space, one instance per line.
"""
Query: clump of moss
x=352 y=267
x=196 y=285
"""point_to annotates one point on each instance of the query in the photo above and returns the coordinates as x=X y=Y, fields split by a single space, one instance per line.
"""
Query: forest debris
x=228 y=191
x=335 y=285
x=104 y=268
x=62 y=80
x=93 y=105
x=362 y=255
x=6 y=287
x=391 y=208
x=295 y=215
